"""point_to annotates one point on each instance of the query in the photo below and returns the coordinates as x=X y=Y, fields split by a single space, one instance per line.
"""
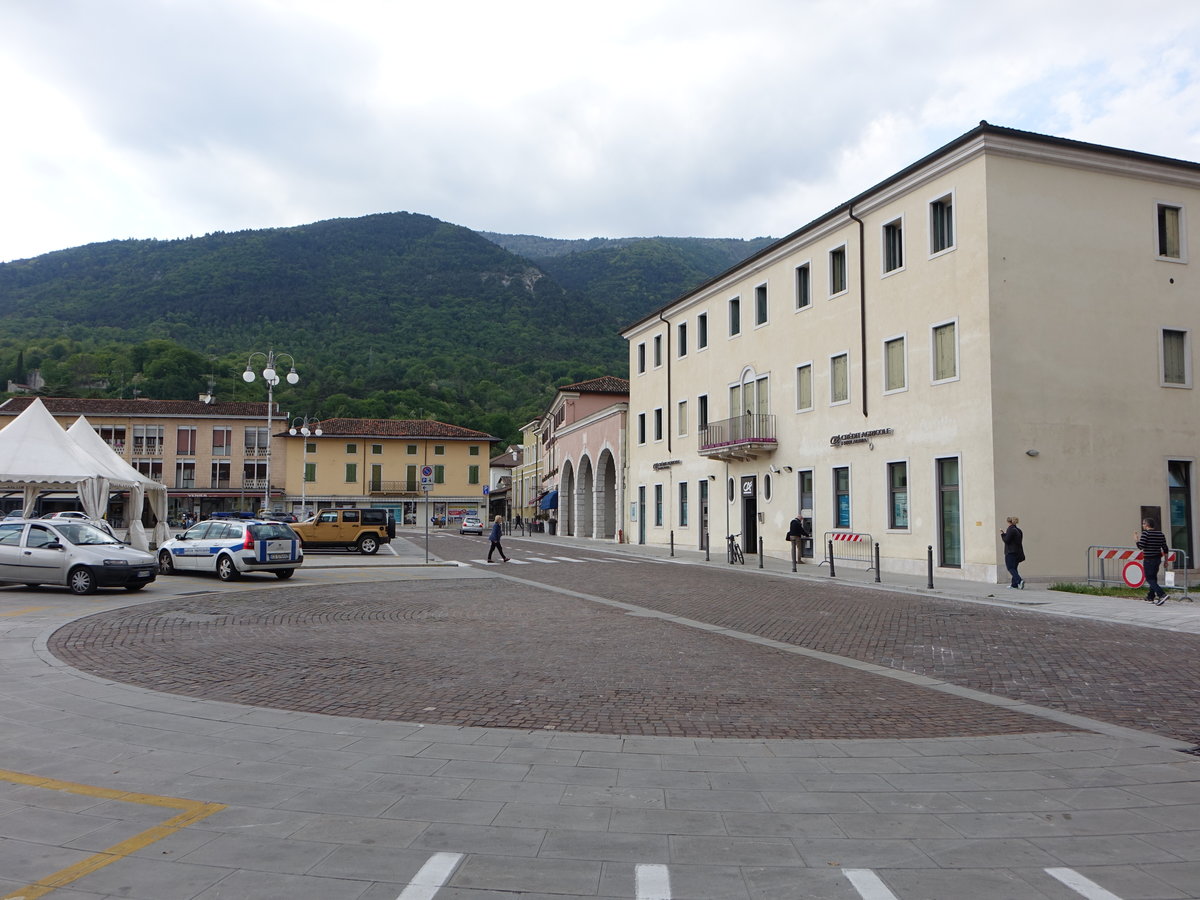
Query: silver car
x=231 y=548
x=73 y=553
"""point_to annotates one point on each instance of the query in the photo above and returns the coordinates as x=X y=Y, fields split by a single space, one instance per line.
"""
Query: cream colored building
x=388 y=463
x=1005 y=327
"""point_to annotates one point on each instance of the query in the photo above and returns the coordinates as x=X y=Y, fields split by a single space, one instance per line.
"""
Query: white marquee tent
x=38 y=454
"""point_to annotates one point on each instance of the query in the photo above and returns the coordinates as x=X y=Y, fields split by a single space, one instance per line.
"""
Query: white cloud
x=160 y=118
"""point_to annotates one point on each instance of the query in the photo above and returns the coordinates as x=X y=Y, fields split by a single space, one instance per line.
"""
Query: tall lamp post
x=271 y=376
x=306 y=427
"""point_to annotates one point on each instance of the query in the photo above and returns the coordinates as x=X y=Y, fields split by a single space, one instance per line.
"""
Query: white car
x=70 y=552
x=471 y=525
x=232 y=548
x=74 y=515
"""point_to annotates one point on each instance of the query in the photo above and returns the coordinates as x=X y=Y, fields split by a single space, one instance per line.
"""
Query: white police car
x=232 y=548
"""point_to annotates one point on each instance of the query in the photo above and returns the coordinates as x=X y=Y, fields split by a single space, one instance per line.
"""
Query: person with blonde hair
x=494 y=537
x=1014 y=550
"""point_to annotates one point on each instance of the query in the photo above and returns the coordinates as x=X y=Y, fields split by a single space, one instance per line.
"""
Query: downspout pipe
x=862 y=303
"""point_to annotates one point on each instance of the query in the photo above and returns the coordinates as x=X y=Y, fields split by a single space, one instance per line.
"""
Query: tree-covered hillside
x=390 y=315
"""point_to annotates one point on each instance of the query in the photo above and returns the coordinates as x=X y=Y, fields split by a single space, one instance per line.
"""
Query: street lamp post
x=305 y=426
x=271 y=376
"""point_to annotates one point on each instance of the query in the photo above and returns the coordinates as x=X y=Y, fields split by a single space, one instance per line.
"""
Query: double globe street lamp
x=305 y=426
x=270 y=375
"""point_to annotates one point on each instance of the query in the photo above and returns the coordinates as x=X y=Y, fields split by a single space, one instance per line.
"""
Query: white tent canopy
x=38 y=454
x=143 y=487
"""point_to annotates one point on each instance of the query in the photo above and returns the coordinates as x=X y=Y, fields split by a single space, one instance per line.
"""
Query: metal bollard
x=877 y=562
x=832 y=573
x=672 y=542
x=929 y=556
x=760 y=552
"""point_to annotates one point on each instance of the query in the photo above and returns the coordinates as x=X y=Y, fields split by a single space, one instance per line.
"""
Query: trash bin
x=554 y=526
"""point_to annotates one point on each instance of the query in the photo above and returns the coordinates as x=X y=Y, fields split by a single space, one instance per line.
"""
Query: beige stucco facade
x=1014 y=342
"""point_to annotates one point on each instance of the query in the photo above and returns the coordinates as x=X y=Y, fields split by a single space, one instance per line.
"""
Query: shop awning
x=550 y=501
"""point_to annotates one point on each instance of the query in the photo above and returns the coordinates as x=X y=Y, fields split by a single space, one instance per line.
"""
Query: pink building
x=583 y=435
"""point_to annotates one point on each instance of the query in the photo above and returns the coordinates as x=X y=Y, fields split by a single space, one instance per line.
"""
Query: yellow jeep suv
x=355 y=529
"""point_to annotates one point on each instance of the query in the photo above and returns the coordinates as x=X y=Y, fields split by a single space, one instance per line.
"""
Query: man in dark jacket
x=797 y=532
x=1153 y=544
x=1014 y=550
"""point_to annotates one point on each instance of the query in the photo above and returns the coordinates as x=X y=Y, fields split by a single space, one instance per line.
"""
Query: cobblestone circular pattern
x=479 y=652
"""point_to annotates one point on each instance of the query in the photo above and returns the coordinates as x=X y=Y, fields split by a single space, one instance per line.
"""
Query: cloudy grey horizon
x=167 y=119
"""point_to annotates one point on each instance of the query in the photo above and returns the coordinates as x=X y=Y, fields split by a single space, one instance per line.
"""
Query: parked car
x=363 y=529
x=471 y=525
x=71 y=552
x=75 y=515
x=231 y=548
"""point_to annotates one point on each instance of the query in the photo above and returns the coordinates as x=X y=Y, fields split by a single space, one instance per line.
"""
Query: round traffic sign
x=1133 y=574
x=427 y=471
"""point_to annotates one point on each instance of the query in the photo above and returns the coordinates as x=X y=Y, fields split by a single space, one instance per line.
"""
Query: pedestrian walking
x=797 y=532
x=1153 y=544
x=494 y=537
x=1014 y=550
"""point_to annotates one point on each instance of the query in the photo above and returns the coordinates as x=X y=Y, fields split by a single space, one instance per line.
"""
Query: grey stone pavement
x=108 y=790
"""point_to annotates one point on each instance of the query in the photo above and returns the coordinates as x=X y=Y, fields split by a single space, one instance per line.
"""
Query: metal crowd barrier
x=1106 y=567
x=849 y=546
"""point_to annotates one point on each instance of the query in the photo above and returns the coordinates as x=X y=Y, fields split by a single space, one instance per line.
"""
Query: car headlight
x=116 y=562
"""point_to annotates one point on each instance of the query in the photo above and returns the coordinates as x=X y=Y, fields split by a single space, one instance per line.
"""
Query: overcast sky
x=169 y=118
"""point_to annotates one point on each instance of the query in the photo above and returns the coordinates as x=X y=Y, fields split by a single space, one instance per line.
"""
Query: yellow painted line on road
x=23 y=610
x=192 y=811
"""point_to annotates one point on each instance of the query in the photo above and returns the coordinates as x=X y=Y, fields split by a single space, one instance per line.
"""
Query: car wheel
x=226 y=570
x=368 y=545
x=166 y=565
x=81 y=581
x=281 y=574
x=134 y=587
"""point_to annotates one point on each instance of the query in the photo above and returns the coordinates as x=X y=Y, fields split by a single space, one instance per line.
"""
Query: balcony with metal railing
x=742 y=437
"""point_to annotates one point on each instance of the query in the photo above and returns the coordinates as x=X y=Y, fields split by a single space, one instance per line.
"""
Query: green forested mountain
x=393 y=314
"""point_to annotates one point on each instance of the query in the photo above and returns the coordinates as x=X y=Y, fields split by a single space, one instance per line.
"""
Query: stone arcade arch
x=566 y=499
x=606 y=495
x=585 y=525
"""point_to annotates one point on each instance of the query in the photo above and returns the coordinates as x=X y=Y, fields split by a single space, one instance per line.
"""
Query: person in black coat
x=1014 y=550
x=494 y=537
x=796 y=535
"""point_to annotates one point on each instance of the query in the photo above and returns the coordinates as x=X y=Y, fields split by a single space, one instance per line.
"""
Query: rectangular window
x=949 y=513
x=681 y=338
x=682 y=417
x=701 y=331
x=760 y=305
x=893 y=246
x=472 y=474
x=1176 y=363
x=257 y=442
x=641 y=358
x=658 y=504
x=841 y=497
x=439 y=449
x=641 y=428
x=222 y=441
x=351 y=473
x=185 y=441
x=837 y=270
x=839 y=378
x=351 y=449
x=185 y=474
x=410 y=449
x=1170 y=231
x=410 y=478
x=148 y=440
x=941 y=224
x=473 y=450
x=895 y=376
x=377 y=449
x=702 y=412
x=658 y=424
x=220 y=475
x=803 y=286
x=735 y=316
x=683 y=504
x=439 y=474
x=945 y=352
x=804 y=387
x=310 y=472
x=657 y=350
x=898 y=495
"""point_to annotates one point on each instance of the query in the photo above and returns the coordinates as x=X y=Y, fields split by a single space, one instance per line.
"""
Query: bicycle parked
x=735 y=551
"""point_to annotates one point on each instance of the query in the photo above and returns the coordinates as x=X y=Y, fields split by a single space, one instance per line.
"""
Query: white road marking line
x=868 y=885
x=653 y=882
x=429 y=880
x=570 y=559
x=1085 y=887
